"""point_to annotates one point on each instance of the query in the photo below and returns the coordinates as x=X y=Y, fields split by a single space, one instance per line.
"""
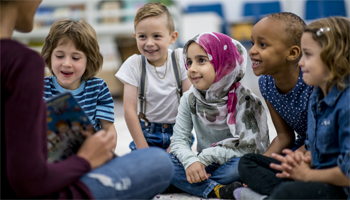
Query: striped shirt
x=92 y=95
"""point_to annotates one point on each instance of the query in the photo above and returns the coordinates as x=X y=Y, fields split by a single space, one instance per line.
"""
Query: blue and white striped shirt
x=92 y=95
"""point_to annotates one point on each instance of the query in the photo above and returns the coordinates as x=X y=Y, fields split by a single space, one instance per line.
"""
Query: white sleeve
x=129 y=72
x=181 y=61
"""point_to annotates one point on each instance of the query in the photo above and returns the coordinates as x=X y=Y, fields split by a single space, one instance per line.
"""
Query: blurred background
x=113 y=22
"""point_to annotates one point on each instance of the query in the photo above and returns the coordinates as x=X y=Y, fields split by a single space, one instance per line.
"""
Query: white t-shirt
x=161 y=96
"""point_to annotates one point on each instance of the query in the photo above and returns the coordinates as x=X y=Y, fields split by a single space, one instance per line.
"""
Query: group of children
x=304 y=79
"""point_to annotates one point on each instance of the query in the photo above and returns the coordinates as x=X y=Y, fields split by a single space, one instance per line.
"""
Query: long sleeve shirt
x=24 y=170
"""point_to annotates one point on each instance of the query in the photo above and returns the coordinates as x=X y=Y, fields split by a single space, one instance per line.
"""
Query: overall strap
x=142 y=90
x=177 y=74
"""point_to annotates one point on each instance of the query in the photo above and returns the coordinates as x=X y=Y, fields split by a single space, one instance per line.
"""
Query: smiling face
x=315 y=71
x=68 y=64
x=153 y=39
x=200 y=70
x=269 y=46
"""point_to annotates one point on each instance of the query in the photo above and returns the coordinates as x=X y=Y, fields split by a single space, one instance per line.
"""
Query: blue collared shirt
x=328 y=133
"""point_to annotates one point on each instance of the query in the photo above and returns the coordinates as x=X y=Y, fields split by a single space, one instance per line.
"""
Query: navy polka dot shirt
x=292 y=107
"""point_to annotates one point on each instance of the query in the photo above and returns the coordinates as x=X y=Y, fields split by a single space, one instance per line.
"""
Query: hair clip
x=321 y=31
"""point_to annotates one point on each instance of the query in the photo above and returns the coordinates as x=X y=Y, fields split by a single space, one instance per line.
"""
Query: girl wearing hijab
x=228 y=119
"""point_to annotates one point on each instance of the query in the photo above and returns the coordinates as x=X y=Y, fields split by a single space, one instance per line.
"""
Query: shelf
x=104 y=29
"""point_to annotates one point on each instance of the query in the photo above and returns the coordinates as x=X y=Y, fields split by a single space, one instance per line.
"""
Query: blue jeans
x=156 y=135
x=220 y=174
x=140 y=174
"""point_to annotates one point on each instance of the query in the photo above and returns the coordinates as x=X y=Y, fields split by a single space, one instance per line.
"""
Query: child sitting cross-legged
x=229 y=120
x=323 y=171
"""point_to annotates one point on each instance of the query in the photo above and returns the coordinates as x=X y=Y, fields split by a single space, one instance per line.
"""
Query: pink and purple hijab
x=227 y=103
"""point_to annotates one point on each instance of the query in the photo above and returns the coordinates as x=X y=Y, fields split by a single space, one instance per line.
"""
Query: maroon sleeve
x=24 y=124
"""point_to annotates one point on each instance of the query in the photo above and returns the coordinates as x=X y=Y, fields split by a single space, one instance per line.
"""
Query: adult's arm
x=25 y=132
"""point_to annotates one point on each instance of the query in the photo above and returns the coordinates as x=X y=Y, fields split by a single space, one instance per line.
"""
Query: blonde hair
x=84 y=38
x=335 y=44
x=154 y=9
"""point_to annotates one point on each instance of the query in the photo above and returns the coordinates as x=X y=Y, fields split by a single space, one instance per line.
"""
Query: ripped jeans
x=141 y=174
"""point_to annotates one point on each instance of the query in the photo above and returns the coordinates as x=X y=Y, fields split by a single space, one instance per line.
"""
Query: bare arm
x=186 y=84
x=131 y=118
x=285 y=134
x=332 y=176
x=109 y=127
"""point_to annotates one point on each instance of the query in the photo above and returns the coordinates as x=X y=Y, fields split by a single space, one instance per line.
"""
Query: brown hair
x=84 y=38
x=154 y=9
x=294 y=26
x=335 y=43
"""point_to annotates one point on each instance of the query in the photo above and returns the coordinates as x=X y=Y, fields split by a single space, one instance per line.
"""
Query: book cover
x=65 y=120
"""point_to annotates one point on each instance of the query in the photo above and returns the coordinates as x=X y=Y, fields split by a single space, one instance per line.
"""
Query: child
x=229 y=120
x=325 y=64
x=275 y=54
x=91 y=173
x=158 y=96
x=71 y=52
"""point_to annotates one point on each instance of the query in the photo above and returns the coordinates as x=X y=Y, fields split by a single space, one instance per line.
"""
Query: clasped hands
x=294 y=165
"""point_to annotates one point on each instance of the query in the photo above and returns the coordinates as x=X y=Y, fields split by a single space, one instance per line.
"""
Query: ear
x=173 y=37
x=293 y=53
x=134 y=34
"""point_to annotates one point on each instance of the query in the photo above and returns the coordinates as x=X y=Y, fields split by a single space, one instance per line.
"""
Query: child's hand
x=196 y=173
x=290 y=163
x=96 y=148
x=299 y=172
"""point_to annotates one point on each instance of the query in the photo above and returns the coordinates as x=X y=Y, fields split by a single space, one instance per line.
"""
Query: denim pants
x=156 y=135
x=220 y=174
x=255 y=171
x=140 y=174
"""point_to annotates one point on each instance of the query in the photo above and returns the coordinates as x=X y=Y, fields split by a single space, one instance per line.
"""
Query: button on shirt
x=328 y=133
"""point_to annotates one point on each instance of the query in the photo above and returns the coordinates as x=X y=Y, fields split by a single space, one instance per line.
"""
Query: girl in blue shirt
x=71 y=52
x=323 y=172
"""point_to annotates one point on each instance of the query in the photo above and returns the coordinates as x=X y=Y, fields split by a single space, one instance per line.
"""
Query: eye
x=59 y=56
x=157 y=36
x=75 y=58
x=252 y=43
x=142 y=36
x=189 y=63
x=262 y=44
x=201 y=60
x=306 y=54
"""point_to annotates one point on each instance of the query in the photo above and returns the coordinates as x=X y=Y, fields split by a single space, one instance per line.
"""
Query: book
x=65 y=122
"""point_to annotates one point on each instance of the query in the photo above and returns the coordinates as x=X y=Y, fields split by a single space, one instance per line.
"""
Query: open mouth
x=256 y=63
x=151 y=51
x=67 y=74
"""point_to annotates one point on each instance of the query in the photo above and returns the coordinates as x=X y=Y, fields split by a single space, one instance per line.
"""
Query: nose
x=149 y=42
x=252 y=50
x=67 y=62
x=193 y=68
x=301 y=62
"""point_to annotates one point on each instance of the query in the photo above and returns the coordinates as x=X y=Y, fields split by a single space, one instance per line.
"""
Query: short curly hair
x=335 y=45
x=84 y=38
x=294 y=26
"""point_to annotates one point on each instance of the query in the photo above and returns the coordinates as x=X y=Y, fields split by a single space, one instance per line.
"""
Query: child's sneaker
x=224 y=191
